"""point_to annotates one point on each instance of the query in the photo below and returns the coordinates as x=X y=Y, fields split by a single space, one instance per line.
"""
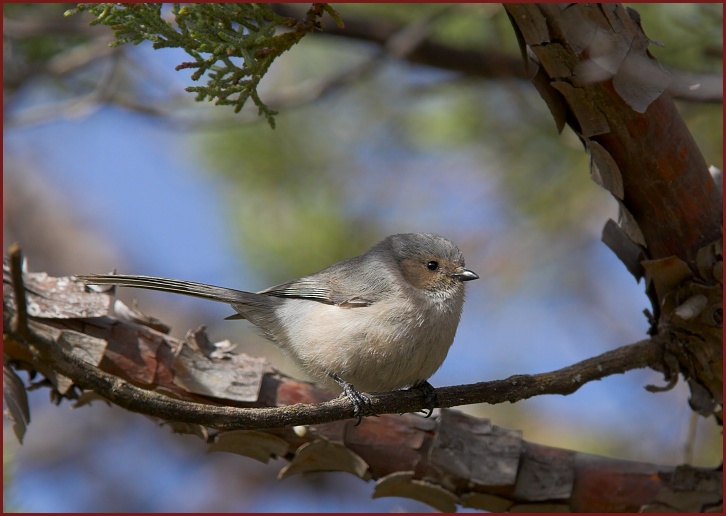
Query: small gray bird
x=377 y=322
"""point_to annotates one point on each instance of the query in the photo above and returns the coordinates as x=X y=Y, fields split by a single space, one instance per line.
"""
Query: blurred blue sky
x=133 y=178
x=139 y=183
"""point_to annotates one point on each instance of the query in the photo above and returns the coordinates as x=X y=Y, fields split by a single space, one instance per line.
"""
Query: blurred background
x=109 y=164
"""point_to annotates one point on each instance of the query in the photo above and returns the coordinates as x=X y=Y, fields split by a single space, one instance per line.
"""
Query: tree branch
x=410 y=456
x=591 y=65
x=123 y=337
x=491 y=63
x=55 y=327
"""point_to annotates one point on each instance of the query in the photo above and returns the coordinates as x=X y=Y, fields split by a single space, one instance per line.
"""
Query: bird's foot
x=361 y=402
x=429 y=396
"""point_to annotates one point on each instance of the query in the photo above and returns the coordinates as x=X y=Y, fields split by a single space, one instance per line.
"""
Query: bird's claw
x=430 y=396
x=361 y=402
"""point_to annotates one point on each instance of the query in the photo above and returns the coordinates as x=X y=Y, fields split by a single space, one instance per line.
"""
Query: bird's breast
x=388 y=345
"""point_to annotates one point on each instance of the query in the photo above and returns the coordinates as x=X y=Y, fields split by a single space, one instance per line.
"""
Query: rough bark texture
x=590 y=63
x=54 y=327
x=127 y=358
x=489 y=64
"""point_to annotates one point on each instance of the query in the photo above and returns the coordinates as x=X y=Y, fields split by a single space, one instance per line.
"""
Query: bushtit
x=377 y=322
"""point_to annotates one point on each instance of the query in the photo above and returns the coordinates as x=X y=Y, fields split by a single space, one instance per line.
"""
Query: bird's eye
x=432 y=265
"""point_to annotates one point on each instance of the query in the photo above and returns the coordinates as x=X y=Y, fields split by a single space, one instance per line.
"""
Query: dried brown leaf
x=404 y=485
x=188 y=429
x=16 y=402
x=324 y=455
x=260 y=446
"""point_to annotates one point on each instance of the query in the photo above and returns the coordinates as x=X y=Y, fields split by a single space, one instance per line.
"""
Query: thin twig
x=563 y=381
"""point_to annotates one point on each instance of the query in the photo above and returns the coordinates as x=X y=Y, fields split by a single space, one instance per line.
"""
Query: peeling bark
x=239 y=404
x=594 y=71
x=591 y=65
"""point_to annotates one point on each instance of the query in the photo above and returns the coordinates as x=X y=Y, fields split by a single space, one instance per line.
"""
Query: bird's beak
x=465 y=275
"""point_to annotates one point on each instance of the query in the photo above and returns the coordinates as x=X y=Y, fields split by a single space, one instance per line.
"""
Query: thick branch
x=594 y=71
x=490 y=63
x=515 y=388
x=124 y=340
x=409 y=456
x=592 y=67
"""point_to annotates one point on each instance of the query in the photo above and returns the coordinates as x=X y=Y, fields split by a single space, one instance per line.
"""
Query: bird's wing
x=318 y=289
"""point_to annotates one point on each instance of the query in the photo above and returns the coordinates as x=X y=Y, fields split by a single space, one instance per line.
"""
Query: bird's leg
x=361 y=402
x=429 y=395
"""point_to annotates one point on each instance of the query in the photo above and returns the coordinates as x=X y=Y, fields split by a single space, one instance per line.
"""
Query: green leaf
x=240 y=41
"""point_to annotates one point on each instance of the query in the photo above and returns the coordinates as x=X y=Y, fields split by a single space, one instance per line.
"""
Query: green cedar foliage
x=233 y=45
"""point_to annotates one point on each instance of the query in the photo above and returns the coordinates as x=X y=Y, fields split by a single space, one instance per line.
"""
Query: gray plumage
x=380 y=321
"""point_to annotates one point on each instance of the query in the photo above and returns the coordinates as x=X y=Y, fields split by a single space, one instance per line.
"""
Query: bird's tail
x=189 y=288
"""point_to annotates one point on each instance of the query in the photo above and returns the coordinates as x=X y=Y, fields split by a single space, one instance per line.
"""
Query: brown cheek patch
x=416 y=274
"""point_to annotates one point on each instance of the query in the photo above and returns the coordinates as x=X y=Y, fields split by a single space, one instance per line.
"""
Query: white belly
x=382 y=347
